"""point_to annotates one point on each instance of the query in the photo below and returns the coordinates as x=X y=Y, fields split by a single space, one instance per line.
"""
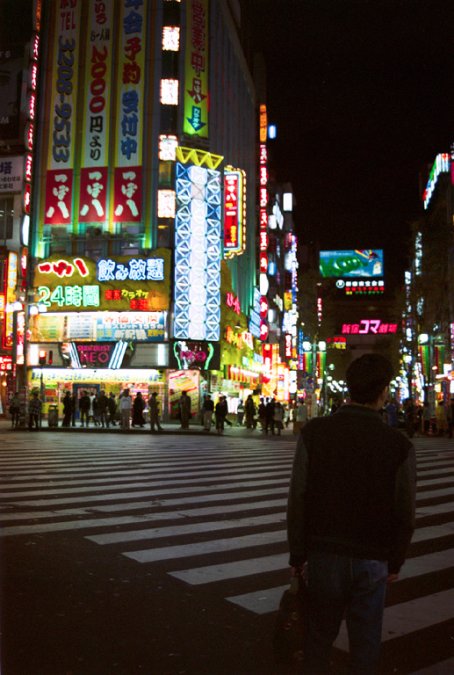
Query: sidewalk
x=173 y=427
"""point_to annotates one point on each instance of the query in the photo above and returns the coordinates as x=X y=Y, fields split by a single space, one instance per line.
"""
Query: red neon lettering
x=81 y=266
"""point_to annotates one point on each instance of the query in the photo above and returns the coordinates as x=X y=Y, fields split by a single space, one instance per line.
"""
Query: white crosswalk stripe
x=213 y=516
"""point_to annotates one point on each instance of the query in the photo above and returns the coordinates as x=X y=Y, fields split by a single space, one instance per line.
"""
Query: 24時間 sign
x=116 y=284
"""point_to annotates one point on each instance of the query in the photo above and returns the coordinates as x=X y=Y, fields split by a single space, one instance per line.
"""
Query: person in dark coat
x=153 y=408
x=350 y=518
x=112 y=406
x=103 y=410
x=67 y=409
x=249 y=410
x=207 y=411
x=34 y=411
x=14 y=410
x=73 y=409
x=138 y=420
x=184 y=408
x=84 y=408
x=220 y=413
x=269 y=416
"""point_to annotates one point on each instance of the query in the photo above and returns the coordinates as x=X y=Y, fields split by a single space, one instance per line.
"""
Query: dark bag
x=291 y=623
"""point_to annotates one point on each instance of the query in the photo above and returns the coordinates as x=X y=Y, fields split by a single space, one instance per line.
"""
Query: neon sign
x=136 y=269
x=441 y=165
x=69 y=296
x=263 y=214
x=94 y=356
x=123 y=283
x=196 y=69
x=63 y=268
x=197 y=287
x=193 y=355
x=361 y=287
x=234 y=211
x=369 y=326
x=233 y=302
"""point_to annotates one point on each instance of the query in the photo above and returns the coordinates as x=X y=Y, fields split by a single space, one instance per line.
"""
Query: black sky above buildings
x=362 y=92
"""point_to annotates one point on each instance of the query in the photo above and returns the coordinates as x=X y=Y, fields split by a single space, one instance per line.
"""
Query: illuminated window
x=288 y=201
x=169 y=92
x=166 y=179
x=166 y=204
x=171 y=38
x=167 y=147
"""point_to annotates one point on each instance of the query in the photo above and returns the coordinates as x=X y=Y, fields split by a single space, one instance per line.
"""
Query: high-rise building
x=141 y=194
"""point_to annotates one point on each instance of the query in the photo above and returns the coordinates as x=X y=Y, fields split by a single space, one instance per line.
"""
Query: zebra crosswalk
x=213 y=514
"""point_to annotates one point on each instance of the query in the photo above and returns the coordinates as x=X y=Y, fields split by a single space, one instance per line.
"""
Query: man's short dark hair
x=367 y=376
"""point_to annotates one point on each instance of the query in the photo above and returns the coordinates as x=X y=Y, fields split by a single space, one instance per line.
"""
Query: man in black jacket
x=350 y=517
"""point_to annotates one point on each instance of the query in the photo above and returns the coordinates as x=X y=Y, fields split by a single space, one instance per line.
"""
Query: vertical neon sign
x=130 y=112
x=196 y=69
x=96 y=116
x=263 y=211
x=234 y=211
x=197 y=288
x=62 y=114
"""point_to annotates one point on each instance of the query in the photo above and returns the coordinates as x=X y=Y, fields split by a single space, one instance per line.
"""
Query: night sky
x=362 y=92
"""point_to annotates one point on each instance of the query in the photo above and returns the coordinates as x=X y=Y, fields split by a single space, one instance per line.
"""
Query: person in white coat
x=125 y=410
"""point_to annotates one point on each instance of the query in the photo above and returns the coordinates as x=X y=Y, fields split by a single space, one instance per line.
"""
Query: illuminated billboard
x=197 y=288
x=359 y=263
x=234 y=211
x=96 y=326
x=123 y=283
x=196 y=95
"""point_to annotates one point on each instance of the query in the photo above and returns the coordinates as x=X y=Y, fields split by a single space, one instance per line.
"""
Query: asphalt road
x=166 y=555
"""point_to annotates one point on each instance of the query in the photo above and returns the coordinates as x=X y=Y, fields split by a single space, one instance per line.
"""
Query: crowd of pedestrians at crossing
x=103 y=410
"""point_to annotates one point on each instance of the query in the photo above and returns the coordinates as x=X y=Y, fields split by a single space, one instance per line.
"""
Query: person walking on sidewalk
x=103 y=410
x=250 y=412
x=153 y=408
x=207 y=412
x=137 y=411
x=14 y=410
x=125 y=410
x=34 y=411
x=112 y=405
x=67 y=409
x=350 y=517
x=269 y=416
x=184 y=406
x=220 y=413
x=278 y=417
x=84 y=408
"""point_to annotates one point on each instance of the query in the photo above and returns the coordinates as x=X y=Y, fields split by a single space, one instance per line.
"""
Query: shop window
x=131 y=240
x=165 y=174
x=164 y=232
x=58 y=240
x=95 y=243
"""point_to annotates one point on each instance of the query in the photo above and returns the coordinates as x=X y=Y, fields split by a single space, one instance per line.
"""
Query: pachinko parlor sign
x=115 y=284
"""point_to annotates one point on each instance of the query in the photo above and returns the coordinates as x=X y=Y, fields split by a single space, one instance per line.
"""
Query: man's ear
x=385 y=393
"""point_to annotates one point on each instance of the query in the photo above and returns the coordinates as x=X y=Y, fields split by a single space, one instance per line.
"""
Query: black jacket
x=353 y=489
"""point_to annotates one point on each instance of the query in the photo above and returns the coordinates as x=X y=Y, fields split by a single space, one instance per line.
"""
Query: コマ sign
x=190 y=355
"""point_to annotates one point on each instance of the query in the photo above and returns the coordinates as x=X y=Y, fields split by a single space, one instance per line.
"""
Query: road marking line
x=203 y=548
x=153 y=494
x=411 y=616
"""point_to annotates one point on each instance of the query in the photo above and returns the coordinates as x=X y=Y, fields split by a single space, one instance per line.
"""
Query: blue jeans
x=340 y=587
